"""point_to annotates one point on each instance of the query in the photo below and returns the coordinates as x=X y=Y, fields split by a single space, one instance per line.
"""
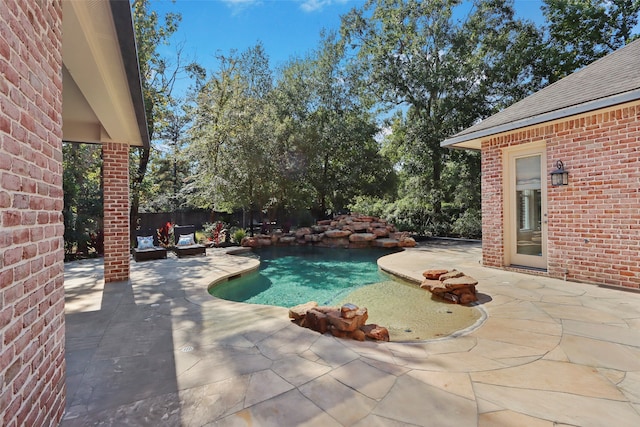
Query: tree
x=158 y=77
x=443 y=73
x=329 y=131
x=232 y=135
x=581 y=31
x=83 y=201
x=169 y=168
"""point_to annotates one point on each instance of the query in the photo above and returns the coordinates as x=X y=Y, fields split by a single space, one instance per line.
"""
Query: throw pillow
x=186 y=239
x=145 y=242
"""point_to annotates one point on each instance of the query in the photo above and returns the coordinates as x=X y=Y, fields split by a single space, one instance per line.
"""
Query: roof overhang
x=102 y=95
x=473 y=140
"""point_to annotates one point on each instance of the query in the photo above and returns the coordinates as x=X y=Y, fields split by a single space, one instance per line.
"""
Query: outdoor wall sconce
x=559 y=176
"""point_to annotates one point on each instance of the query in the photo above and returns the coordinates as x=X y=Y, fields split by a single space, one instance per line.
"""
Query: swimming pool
x=289 y=276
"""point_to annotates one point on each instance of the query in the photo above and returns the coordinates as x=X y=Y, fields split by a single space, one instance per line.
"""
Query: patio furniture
x=147 y=246
x=185 y=241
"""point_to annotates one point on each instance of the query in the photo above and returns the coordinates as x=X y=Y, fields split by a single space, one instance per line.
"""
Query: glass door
x=527 y=216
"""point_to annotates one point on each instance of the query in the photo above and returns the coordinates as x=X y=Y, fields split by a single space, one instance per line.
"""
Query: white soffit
x=94 y=77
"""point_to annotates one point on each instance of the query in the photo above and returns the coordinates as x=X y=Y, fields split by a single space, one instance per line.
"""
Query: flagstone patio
x=158 y=350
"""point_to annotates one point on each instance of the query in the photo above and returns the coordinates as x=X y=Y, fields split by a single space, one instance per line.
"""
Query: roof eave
x=123 y=21
x=473 y=140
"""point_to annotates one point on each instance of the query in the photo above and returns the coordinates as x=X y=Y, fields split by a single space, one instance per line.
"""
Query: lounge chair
x=147 y=246
x=185 y=241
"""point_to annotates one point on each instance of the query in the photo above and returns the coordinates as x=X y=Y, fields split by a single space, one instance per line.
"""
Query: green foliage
x=305 y=143
x=169 y=169
x=418 y=217
x=581 y=31
x=231 y=149
x=158 y=77
x=449 y=73
x=83 y=202
x=238 y=235
x=469 y=224
x=368 y=205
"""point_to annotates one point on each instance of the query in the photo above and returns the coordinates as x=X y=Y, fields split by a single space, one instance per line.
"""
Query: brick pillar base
x=115 y=159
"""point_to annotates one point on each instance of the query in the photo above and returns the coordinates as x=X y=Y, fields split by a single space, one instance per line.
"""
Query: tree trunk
x=135 y=192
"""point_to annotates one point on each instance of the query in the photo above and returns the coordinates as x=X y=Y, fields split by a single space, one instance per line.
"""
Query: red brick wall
x=594 y=222
x=32 y=366
x=116 y=211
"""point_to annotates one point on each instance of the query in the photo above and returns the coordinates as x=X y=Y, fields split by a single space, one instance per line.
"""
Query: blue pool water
x=290 y=276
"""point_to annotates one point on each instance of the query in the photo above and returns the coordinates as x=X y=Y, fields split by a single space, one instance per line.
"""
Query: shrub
x=238 y=235
x=368 y=205
x=410 y=214
x=215 y=232
x=469 y=224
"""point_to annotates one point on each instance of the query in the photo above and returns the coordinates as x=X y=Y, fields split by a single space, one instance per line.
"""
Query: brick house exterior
x=591 y=122
x=35 y=74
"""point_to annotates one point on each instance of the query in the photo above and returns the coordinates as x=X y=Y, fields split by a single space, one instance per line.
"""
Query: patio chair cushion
x=186 y=240
x=145 y=242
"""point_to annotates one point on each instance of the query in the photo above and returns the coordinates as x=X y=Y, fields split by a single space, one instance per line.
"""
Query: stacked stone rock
x=452 y=285
x=347 y=231
x=347 y=321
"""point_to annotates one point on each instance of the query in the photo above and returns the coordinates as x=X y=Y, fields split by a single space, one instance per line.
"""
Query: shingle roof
x=608 y=81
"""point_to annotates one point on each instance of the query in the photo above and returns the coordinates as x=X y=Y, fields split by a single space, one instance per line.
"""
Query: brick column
x=32 y=333
x=115 y=159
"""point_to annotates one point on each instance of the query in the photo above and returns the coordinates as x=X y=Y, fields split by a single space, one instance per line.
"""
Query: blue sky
x=286 y=28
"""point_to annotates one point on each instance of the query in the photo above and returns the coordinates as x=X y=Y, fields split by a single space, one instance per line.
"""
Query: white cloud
x=306 y=5
x=314 y=5
x=240 y=5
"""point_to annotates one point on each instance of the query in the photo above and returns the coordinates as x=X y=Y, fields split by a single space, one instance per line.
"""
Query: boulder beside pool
x=450 y=285
x=347 y=321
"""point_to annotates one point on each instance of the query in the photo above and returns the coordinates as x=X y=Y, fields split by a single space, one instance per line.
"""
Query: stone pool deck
x=158 y=350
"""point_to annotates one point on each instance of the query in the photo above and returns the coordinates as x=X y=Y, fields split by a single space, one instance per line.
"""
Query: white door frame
x=510 y=221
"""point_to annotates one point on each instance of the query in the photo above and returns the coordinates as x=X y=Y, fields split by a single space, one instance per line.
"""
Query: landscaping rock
x=434 y=273
x=300 y=311
x=348 y=325
x=313 y=237
x=334 y=234
x=468 y=298
x=317 y=321
x=453 y=286
x=459 y=282
x=407 y=242
x=360 y=226
x=302 y=232
x=349 y=311
x=385 y=243
x=380 y=232
x=451 y=297
x=362 y=237
x=250 y=242
x=451 y=275
x=288 y=240
x=429 y=284
x=358 y=335
x=338 y=333
x=347 y=321
x=375 y=332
